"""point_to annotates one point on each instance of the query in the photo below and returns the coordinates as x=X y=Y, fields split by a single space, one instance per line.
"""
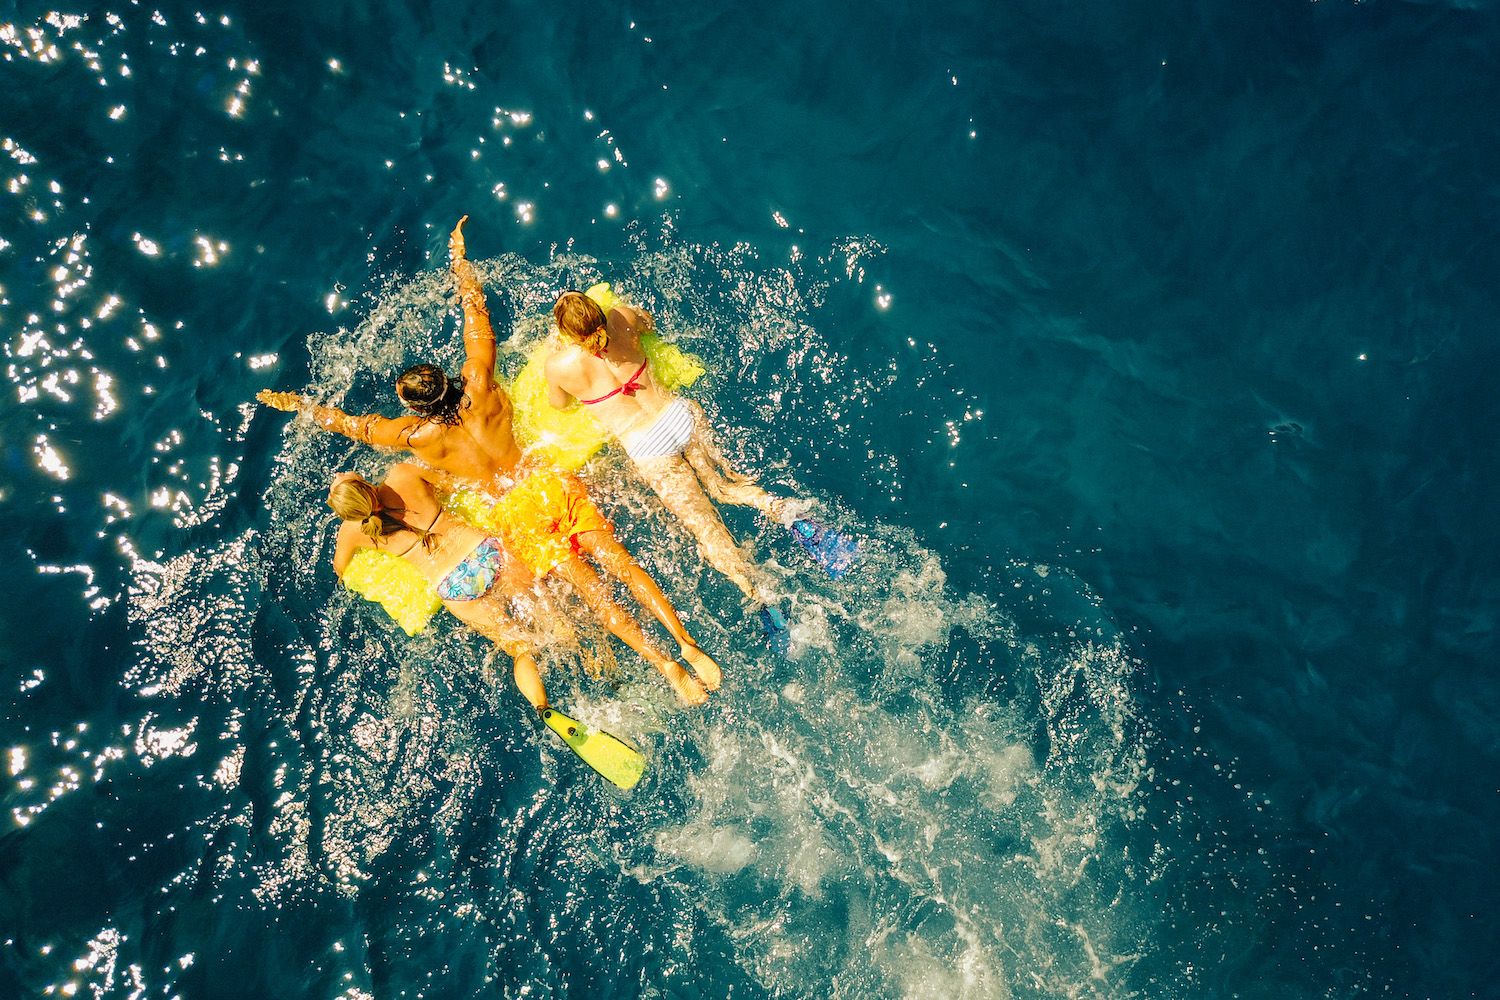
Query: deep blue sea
x=1150 y=350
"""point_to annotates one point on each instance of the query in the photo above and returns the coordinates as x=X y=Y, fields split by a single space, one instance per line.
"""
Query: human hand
x=288 y=401
x=456 y=240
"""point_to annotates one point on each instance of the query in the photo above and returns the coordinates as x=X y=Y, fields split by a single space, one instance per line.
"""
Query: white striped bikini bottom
x=667 y=435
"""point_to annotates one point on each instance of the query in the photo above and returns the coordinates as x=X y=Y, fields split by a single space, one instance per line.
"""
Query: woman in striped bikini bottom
x=678 y=458
x=603 y=366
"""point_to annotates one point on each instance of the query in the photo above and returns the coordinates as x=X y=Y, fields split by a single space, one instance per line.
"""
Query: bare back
x=410 y=496
x=617 y=387
x=482 y=444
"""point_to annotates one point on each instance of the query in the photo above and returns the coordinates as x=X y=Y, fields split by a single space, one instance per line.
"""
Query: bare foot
x=706 y=669
x=683 y=683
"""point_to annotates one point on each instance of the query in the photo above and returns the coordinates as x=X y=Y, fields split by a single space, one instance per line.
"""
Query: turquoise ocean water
x=1148 y=349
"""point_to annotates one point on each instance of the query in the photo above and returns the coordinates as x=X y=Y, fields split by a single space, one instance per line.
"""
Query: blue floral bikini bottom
x=472 y=578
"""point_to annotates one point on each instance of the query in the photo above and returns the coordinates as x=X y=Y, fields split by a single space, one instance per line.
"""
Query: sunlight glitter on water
x=793 y=800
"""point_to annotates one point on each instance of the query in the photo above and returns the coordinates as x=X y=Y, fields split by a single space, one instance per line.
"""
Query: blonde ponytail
x=373 y=528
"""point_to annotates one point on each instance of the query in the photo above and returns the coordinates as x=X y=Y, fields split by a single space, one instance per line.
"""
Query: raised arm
x=371 y=428
x=479 y=336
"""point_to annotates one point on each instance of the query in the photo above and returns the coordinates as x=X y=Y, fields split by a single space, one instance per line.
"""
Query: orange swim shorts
x=541 y=517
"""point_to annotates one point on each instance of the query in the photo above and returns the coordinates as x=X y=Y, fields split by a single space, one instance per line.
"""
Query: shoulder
x=386 y=432
x=411 y=472
x=416 y=490
x=628 y=321
x=563 y=361
x=618 y=321
x=486 y=398
x=421 y=432
x=414 y=483
x=402 y=472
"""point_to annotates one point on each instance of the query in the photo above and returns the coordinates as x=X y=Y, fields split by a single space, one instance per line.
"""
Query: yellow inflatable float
x=396 y=585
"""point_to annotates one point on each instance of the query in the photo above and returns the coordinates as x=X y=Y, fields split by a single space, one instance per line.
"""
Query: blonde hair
x=580 y=317
x=356 y=500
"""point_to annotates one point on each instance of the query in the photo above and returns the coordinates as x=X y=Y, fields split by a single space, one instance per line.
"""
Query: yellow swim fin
x=617 y=763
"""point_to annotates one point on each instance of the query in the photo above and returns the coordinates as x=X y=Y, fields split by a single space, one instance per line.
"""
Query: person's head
x=582 y=321
x=354 y=499
x=427 y=389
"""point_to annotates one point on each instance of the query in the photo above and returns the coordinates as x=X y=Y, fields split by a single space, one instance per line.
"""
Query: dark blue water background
x=1151 y=350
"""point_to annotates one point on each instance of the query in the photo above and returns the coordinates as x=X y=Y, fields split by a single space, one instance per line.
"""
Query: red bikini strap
x=629 y=388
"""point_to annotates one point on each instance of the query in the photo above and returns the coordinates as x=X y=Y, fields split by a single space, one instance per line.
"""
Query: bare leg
x=703 y=436
x=627 y=629
x=674 y=481
x=718 y=478
x=487 y=617
x=615 y=558
x=529 y=683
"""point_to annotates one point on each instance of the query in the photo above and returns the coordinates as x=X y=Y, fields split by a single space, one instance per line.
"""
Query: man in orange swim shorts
x=544 y=516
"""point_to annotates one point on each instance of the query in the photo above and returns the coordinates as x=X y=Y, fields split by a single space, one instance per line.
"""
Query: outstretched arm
x=479 y=336
x=371 y=428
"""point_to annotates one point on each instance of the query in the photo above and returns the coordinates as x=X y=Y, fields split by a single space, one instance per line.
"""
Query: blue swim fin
x=833 y=551
x=774 y=630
